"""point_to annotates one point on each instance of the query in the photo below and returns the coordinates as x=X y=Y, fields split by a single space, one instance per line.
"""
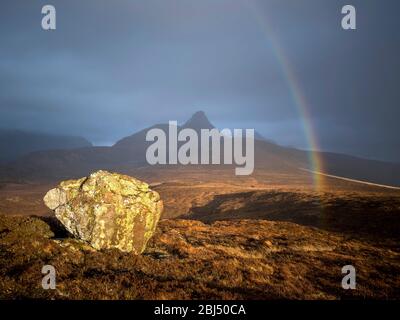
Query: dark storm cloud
x=112 y=68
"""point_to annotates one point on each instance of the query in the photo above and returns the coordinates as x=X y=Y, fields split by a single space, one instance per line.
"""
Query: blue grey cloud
x=112 y=68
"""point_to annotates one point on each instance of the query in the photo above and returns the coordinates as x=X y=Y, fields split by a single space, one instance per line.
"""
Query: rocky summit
x=107 y=210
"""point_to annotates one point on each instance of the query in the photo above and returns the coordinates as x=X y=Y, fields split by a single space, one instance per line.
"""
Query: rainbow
x=299 y=99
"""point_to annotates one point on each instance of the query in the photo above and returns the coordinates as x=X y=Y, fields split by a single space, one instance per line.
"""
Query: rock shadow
x=56 y=227
x=370 y=217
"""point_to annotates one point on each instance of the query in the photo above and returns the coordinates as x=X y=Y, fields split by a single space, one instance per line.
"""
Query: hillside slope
x=187 y=259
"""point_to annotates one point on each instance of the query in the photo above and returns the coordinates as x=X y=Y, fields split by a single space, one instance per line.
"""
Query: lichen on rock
x=107 y=210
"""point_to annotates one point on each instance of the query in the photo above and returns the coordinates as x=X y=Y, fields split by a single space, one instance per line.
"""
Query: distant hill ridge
x=17 y=143
x=129 y=153
x=197 y=121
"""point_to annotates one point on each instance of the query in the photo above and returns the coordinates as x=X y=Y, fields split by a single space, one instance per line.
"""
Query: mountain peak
x=198 y=121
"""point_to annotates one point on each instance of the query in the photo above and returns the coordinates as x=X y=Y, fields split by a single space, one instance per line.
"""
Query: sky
x=112 y=68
